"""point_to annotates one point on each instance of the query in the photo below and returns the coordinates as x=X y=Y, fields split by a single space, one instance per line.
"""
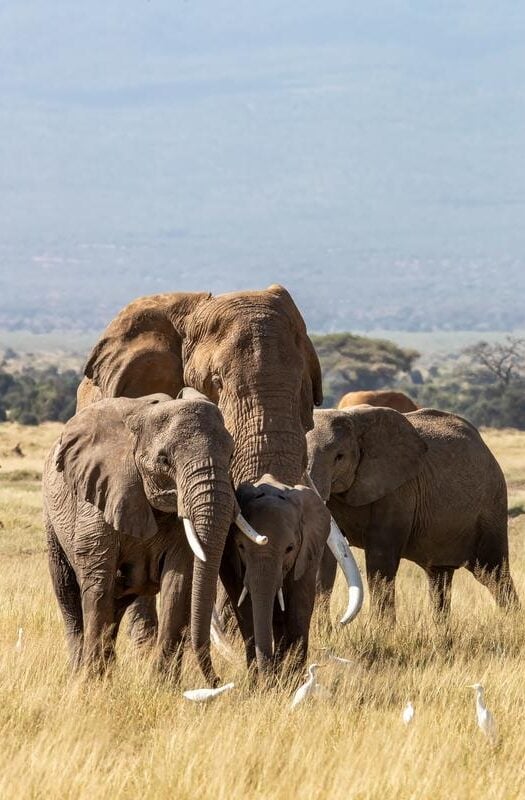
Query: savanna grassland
x=133 y=736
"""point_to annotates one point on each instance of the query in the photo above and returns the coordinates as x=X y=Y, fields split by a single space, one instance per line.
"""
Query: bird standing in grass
x=205 y=695
x=409 y=713
x=311 y=687
x=484 y=717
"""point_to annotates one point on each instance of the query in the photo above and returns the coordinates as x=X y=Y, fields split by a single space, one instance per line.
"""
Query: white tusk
x=340 y=549
x=248 y=531
x=219 y=640
x=242 y=596
x=280 y=598
x=193 y=539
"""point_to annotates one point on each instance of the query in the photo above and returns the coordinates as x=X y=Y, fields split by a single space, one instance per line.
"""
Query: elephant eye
x=163 y=460
x=217 y=381
x=339 y=457
x=289 y=548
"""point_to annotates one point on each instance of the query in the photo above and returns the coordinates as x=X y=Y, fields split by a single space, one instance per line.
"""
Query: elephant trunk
x=208 y=501
x=263 y=588
x=268 y=435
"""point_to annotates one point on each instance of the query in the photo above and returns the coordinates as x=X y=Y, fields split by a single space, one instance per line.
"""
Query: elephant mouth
x=165 y=501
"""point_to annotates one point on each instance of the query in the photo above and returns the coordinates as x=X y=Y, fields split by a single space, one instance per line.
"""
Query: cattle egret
x=205 y=695
x=311 y=688
x=19 y=646
x=485 y=719
x=408 y=713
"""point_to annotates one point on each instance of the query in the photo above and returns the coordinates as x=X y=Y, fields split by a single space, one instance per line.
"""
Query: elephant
x=275 y=585
x=114 y=486
x=247 y=351
x=421 y=486
x=399 y=401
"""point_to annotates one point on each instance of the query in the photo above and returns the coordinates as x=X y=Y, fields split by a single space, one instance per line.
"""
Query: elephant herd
x=196 y=455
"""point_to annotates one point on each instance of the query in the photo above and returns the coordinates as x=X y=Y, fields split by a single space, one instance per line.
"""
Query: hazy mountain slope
x=369 y=158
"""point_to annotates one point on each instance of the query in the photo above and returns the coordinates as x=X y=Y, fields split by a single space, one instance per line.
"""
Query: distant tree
x=351 y=362
x=502 y=362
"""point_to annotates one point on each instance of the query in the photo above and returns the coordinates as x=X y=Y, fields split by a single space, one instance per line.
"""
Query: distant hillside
x=366 y=155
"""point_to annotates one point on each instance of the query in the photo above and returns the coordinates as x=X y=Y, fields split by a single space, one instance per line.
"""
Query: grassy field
x=133 y=736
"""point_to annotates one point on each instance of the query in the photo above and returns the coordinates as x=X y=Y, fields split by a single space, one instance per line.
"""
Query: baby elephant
x=421 y=486
x=115 y=485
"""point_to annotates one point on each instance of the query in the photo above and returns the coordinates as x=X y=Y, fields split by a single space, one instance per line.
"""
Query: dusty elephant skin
x=248 y=352
x=297 y=524
x=421 y=486
x=113 y=486
x=385 y=398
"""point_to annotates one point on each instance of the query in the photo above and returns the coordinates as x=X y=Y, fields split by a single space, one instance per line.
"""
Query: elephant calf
x=421 y=486
x=115 y=484
x=272 y=588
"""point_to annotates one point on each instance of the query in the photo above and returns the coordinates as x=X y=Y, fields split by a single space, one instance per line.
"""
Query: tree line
x=484 y=383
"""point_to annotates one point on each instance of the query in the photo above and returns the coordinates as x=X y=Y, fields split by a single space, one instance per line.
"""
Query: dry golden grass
x=133 y=736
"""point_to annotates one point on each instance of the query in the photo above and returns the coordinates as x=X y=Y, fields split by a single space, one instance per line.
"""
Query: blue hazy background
x=367 y=155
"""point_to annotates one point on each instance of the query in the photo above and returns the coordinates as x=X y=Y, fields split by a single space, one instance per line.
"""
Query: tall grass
x=132 y=735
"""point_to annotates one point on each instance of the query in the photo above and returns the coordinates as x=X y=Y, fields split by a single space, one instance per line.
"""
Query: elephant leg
x=498 y=581
x=67 y=592
x=232 y=581
x=143 y=621
x=440 y=585
x=98 y=609
x=326 y=579
x=174 y=609
x=299 y=606
x=382 y=562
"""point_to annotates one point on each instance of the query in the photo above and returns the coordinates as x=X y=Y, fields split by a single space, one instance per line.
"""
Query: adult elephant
x=386 y=398
x=422 y=486
x=247 y=351
x=114 y=485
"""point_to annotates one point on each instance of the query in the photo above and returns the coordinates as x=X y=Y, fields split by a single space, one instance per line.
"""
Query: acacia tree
x=503 y=362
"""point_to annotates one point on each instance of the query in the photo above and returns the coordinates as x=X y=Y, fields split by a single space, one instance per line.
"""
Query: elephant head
x=297 y=524
x=362 y=453
x=132 y=458
x=248 y=352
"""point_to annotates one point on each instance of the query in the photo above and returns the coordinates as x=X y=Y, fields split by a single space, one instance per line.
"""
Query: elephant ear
x=140 y=351
x=312 y=382
x=391 y=453
x=315 y=528
x=95 y=453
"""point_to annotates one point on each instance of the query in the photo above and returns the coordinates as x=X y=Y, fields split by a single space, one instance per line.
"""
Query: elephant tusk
x=242 y=596
x=193 y=539
x=219 y=640
x=340 y=549
x=248 y=531
x=280 y=598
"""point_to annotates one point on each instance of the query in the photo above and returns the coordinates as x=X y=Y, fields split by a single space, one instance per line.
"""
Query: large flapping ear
x=391 y=453
x=140 y=351
x=315 y=529
x=95 y=453
x=312 y=383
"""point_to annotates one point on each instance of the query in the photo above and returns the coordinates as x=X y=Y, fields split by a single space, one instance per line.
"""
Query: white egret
x=19 y=646
x=486 y=722
x=311 y=687
x=409 y=713
x=205 y=695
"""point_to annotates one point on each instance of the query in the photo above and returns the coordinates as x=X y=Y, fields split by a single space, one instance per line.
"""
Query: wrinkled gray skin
x=246 y=351
x=113 y=486
x=421 y=486
x=297 y=524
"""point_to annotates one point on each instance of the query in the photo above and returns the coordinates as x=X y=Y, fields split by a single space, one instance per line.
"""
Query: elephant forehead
x=271 y=510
